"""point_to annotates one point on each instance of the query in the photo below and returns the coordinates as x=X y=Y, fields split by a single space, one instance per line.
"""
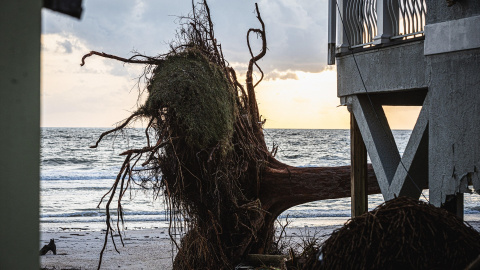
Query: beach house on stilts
x=410 y=53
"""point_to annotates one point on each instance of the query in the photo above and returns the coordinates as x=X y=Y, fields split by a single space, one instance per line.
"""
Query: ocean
x=74 y=177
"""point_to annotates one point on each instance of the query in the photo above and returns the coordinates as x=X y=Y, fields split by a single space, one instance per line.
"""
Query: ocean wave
x=308 y=166
x=79 y=174
x=84 y=186
x=102 y=220
x=68 y=160
x=77 y=177
x=92 y=213
x=293 y=156
x=64 y=188
x=100 y=213
x=315 y=214
x=100 y=217
x=472 y=210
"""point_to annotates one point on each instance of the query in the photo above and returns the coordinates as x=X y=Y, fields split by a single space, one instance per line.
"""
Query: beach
x=74 y=178
x=144 y=249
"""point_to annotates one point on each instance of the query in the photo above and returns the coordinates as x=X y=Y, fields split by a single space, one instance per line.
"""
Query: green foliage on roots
x=199 y=96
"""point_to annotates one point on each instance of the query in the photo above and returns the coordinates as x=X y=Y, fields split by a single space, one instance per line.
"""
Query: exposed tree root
x=210 y=161
x=123 y=125
x=402 y=233
x=131 y=60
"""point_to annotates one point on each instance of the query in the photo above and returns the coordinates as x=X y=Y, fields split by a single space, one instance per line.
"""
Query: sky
x=299 y=90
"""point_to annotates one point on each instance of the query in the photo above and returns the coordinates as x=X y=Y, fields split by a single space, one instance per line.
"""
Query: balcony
x=369 y=23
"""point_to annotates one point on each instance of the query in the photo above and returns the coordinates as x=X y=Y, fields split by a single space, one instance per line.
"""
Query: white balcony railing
x=362 y=23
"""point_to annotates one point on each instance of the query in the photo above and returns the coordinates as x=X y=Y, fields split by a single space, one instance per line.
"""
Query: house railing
x=363 y=23
x=360 y=20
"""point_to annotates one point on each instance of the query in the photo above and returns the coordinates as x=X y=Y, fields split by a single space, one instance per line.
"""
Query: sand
x=144 y=249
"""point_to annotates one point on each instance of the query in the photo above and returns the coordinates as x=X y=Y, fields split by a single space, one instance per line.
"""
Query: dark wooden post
x=454 y=204
x=358 y=157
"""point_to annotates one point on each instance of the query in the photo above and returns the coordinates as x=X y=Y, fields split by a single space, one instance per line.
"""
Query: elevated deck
x=384 y=70
x=394 y=52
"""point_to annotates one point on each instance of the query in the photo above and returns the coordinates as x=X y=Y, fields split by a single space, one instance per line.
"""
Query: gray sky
x=299 y=90
x=296 y=29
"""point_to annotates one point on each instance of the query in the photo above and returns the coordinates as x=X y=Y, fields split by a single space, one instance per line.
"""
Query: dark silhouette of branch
x=131 y=60
x=253 y=107
x=121 y=176
x=116 y=129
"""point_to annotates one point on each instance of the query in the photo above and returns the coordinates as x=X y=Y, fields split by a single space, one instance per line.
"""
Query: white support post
x=342 y=39
x=20 y=133
x=386 y=18
x=332 y=24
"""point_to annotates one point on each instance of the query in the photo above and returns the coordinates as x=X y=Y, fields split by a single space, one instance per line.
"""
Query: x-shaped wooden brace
x=395 y=178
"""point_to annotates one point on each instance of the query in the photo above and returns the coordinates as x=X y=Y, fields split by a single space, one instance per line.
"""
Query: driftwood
x=50 y=247
x=262 y=260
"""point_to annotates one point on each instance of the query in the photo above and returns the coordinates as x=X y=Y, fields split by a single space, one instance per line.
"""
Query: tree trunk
x=222 y=177
x=284 y=186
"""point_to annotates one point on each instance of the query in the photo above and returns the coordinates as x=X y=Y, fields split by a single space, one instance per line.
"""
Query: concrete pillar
x=19 y=133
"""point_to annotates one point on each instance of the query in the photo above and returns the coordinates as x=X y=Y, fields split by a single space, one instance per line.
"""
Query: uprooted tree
x=208 y=156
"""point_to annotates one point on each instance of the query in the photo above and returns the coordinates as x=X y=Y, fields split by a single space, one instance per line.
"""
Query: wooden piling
x=358 y=156
x=454 y=204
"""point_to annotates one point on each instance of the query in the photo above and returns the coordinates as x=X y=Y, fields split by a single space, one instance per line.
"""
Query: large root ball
x=402 y=234
x=196 y=97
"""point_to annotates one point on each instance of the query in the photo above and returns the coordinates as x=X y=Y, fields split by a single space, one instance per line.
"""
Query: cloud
x=296 y=34
x=277 y=75
x=296 y=40
x=118 y=69
x=301 y=100
x=66 y=45
x=118 y=27
x=296 y=29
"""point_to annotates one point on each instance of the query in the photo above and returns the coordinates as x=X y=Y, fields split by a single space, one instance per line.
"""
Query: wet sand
x=144 y=249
